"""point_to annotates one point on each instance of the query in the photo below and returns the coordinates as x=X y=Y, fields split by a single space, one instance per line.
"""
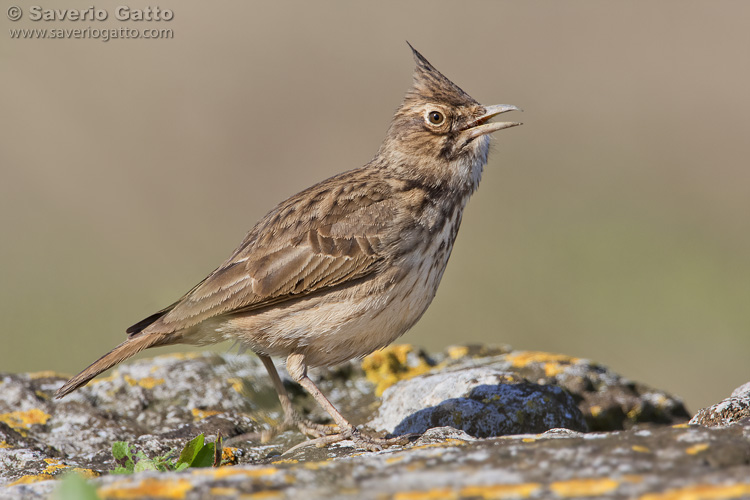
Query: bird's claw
x=362 y=441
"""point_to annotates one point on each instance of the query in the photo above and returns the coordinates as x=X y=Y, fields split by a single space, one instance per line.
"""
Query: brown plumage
x=346 y=266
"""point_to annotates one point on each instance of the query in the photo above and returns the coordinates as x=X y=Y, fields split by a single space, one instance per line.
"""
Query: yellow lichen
x=50 y=472
x=595 y=410
x=145 y=382
x=697 y=448
x=109 y=378
x=199 y=414
x=584 y=487
x=433 y=494
x=640 y=449
x=33 y=478
x=443 y=444
x=53 y=465
x=702 y=492
x=386 y=367
x=20 y=421
x=315 y=465
x=42 y=395
x=150 y=382
x=553 y=364
x=228 y=456
x=173 y=489
x=457 y=351
x=634 y=413
x=5 y=444
x=500 y=491
x=237 y=384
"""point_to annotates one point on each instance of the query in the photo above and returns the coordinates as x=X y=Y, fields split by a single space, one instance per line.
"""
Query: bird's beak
x=479 y=126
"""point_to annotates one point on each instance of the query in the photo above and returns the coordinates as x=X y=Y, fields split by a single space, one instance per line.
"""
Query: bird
x=346 y=266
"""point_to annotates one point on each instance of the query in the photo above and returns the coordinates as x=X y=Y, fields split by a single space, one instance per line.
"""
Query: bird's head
x=440 y=127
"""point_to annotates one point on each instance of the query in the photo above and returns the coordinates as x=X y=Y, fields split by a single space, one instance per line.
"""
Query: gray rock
x=607 y=400
x=660 y=463
x=155 y=404
x=480 y=401
x=159 y=404
x=742 y=391
x=732 y=410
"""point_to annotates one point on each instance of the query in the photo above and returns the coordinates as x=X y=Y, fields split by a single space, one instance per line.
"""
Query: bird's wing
x=323 y=237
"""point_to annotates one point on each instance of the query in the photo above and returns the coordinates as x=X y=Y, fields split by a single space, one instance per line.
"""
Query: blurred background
x=613 y=225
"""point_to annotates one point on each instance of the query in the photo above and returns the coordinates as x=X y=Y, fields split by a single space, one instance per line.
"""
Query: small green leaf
x=196 y=453
x=120 y=450
x=205 y=457
x=144 y=464
x=191 y=449
x=123 y=455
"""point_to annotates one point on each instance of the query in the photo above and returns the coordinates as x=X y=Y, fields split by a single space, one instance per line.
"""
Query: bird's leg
x=295 y=365
x=291 y=417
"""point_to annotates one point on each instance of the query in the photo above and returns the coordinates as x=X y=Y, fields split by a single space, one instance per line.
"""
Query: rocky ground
x=494 y=423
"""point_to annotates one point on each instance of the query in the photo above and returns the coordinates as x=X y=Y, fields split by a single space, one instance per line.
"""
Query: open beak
x=479 y=126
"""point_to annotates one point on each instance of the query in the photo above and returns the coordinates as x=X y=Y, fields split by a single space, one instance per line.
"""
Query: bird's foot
x=314 y=429
x=362 y=441
x=306 y=427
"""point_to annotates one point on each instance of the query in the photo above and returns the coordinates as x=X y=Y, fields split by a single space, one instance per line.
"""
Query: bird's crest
x=431 y=85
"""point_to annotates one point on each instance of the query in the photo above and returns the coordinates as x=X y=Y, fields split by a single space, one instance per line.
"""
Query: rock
x=660 y=463
x=742 y=391
x=159 y=404
x=732 y=410
x=156 y=404
x=607 y=400
x=479 y=401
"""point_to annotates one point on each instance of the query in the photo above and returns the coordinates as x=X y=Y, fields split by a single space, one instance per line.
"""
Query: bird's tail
x=120 y=353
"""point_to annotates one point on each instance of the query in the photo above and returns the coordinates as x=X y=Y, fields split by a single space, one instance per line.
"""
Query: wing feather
x=317 y=239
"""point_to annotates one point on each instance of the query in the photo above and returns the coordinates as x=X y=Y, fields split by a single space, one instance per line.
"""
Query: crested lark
x=346 y=266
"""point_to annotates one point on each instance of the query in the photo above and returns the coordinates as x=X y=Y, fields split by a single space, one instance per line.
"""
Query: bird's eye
x=435 y=117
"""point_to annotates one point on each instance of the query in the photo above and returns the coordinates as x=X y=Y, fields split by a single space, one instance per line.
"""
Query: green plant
x=196 y=453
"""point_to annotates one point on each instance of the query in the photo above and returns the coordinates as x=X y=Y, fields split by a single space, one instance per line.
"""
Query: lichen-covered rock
x=607 y=400
x=662 y=463
x=732 y=410
x=156 y=404
x=159 y=404
x=480 y=401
